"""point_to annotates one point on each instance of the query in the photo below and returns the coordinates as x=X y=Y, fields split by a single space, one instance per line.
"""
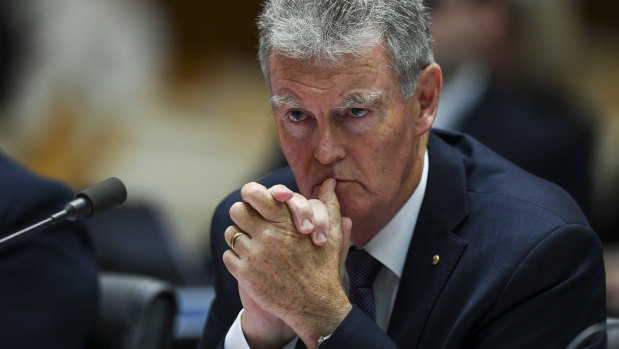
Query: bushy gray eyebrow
x=355 y=99
x=361 y=99
x=279 y=100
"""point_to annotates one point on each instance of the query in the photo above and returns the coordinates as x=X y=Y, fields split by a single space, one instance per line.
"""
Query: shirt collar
x=390 y=244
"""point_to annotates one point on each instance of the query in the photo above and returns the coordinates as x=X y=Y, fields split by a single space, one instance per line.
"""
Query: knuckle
x=279 y=187
x=316 y=204
x=252 y=190
x=281 y=193
x=227 y=259
x=267 y=235
x=228 y=232
x=301 y=204
x=237 y=208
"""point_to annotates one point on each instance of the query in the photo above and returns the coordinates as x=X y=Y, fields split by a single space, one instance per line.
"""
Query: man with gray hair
x=418 y=238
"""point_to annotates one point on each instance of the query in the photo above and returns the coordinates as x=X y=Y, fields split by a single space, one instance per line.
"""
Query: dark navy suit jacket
x=48 y=278
x=519 y=265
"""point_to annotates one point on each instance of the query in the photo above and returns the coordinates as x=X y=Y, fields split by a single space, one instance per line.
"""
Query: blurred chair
x=135 y=312
x=193 y=306
x=610 y=328
x=135 y=238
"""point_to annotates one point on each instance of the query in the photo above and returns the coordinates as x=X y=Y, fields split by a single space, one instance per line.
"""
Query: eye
x=296 y=115
x=358 y=112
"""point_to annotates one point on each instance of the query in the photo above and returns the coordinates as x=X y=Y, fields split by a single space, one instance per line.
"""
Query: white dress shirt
x=389 y=246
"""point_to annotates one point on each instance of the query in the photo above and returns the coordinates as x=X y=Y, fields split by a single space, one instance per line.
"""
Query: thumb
x=339 y=228
x=326 y=194
x=337 y=223
x=327 y=202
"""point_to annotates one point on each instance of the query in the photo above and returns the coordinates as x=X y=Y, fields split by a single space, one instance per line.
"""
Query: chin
x=352 y=209
x=351 y=198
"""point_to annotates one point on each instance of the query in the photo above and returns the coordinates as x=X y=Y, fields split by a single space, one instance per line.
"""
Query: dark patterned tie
x=362 y=269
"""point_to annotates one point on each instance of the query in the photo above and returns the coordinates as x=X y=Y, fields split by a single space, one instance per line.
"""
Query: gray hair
x=325 y=30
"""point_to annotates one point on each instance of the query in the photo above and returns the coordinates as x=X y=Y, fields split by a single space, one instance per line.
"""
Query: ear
x=427 y=94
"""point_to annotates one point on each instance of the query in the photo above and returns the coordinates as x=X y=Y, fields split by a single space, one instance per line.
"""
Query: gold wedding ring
x=233 y=239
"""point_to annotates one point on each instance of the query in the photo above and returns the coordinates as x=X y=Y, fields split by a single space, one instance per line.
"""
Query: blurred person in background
x=48 y=278
x=491 y=95
x=599 y=69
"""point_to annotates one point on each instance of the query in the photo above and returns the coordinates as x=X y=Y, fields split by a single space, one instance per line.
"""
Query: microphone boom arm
x=94 y=199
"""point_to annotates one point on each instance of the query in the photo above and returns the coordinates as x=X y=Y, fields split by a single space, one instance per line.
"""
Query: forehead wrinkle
x=362 y=98
x=285 y=99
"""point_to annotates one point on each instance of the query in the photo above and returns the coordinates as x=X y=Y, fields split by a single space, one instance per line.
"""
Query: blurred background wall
x=168 y=96
x=164 y=94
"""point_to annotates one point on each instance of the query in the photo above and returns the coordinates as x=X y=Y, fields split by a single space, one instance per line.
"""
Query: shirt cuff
x=235 y=339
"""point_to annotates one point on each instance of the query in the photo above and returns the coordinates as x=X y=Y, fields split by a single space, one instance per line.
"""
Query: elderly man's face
x=350 y=123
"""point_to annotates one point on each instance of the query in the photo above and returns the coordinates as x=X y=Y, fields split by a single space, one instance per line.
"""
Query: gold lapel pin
x=435 y=259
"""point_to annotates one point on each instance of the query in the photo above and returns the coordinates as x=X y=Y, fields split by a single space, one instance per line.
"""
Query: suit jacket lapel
x=444 y=207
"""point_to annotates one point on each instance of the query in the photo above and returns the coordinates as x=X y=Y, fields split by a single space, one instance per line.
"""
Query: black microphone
x=91 y=201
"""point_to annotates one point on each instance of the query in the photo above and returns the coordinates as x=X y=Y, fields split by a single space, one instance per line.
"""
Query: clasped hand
x=289 y=263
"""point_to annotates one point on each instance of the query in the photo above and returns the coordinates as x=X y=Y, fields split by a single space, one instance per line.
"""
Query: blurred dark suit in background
x=491 y=94
x=48 y=279
x=539 y=134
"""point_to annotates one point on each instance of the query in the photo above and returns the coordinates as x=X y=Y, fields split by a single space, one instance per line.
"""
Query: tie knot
x=362 y=268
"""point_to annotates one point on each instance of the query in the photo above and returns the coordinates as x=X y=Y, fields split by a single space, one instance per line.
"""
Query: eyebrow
x=279 y=100
x=362 y=99
x=355 y=99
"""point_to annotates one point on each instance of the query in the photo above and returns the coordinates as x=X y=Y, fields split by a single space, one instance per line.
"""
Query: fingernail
x=306 y=224
x=321 y=237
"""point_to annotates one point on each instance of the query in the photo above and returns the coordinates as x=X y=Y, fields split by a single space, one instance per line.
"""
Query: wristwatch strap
x=321 y=340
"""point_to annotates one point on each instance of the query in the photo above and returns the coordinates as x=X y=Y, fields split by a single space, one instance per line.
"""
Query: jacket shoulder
x=491 y=176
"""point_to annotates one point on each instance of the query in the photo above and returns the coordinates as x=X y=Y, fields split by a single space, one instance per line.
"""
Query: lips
x=340 y=185
x=316 y=186
x=343 y=185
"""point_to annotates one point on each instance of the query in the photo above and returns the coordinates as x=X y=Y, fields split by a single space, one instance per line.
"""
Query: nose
x=328 y=145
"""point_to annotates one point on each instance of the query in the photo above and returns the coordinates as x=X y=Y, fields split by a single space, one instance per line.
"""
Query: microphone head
x=104 y=195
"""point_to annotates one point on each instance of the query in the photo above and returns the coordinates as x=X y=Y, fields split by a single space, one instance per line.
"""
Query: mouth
x=340 y=184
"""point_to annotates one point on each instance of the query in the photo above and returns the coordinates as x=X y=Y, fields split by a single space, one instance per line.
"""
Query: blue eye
x=296 y=115
x=358 y=112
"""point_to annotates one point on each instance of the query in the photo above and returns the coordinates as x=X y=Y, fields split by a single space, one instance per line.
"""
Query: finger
x=281 y=193
x=321 y=222
x=298 y=206
x=262 y=200
x=302 y=213
x=326 y=194
x=232 y=262
x=237 y=240
x=245 y=217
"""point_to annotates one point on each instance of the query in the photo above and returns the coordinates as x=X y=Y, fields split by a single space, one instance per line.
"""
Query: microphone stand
x=94 y=199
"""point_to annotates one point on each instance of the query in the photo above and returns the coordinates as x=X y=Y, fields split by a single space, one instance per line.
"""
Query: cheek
x=291 y=140
x=296 y=147
x=386 y=155
x=292 y=134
